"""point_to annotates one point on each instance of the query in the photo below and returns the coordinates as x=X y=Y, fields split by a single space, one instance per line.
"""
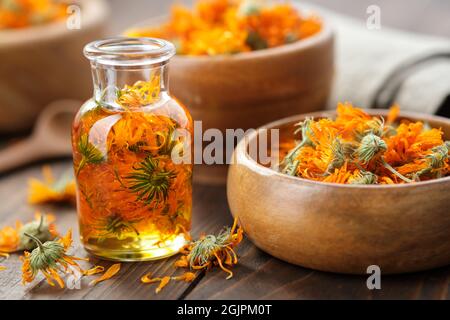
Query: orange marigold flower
x=13 y=239
x=24 y=13
x=50 y=258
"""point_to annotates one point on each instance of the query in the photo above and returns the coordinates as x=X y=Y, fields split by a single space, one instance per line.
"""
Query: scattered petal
x=94 y=270
x=112 y=271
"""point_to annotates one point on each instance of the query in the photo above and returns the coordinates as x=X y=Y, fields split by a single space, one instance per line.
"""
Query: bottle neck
x=111 y=81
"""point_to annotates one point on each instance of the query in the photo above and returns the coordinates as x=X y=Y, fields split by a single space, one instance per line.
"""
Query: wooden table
x=257 y=276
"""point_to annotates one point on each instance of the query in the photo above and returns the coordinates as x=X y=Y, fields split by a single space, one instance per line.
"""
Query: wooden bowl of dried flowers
x=240 y=64
x=41 y=55
x=352 y=192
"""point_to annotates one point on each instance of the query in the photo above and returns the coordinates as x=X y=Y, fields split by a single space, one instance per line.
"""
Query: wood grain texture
x=257 y=276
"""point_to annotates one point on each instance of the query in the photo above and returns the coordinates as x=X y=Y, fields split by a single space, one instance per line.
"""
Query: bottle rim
x=125 y=51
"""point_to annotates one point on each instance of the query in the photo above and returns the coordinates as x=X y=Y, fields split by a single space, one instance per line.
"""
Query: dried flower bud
x=370 y=147
x=364 y=177
x=338 y=154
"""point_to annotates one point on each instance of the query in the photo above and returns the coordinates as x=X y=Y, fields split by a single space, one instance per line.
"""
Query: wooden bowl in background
x=247 y=90
x=44 y=63
x=341 y=228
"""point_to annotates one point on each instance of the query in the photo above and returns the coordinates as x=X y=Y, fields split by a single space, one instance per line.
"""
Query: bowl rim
x=242 y=157
x=93 y=12
x=326 y=32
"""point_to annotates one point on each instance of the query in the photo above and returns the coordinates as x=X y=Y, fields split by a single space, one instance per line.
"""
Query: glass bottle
x=132 y=149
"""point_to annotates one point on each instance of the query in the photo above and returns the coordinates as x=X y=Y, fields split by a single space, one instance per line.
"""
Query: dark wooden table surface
x=257 y=276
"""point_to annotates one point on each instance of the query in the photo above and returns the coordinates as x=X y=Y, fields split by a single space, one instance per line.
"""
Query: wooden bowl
x=41 y=64
x=341 y=228
x=247 y=90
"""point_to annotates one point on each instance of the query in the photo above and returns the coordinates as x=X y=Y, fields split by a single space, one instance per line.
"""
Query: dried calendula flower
x=5 y=255
x=357 y=148
x=164 y=281
x=112 y=271
x=25 y=13
x=50 y=258
x=52 y=190
x=215 y=27
x=9 y=239
x=13 y=239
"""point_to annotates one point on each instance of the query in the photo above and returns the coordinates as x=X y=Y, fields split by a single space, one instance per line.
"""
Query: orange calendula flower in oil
x=51 y=259
x=111 y=272
x=50 y=190
x=357 y=148
x=13 y=239
x=216 y=27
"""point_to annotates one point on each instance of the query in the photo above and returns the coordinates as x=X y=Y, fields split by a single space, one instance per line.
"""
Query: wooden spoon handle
x=19 y=154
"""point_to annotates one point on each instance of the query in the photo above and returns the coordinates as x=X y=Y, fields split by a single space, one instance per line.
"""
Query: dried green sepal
x=364 y=177
x=37 y=229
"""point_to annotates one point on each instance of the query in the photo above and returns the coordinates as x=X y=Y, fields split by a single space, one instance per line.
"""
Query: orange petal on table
x=162 y=284
x=112 y=271
x=2 y=268
x=187 y=276
x=94 y=270
x=4 y=254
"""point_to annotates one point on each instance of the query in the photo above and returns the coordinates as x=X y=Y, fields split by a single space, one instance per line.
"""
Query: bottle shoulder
x=167 y=107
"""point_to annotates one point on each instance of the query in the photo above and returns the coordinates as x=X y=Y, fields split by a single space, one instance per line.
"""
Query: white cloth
x=365 y=58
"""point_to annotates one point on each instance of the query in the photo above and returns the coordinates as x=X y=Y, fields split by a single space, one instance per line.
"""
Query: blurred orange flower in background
x=215 y=27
